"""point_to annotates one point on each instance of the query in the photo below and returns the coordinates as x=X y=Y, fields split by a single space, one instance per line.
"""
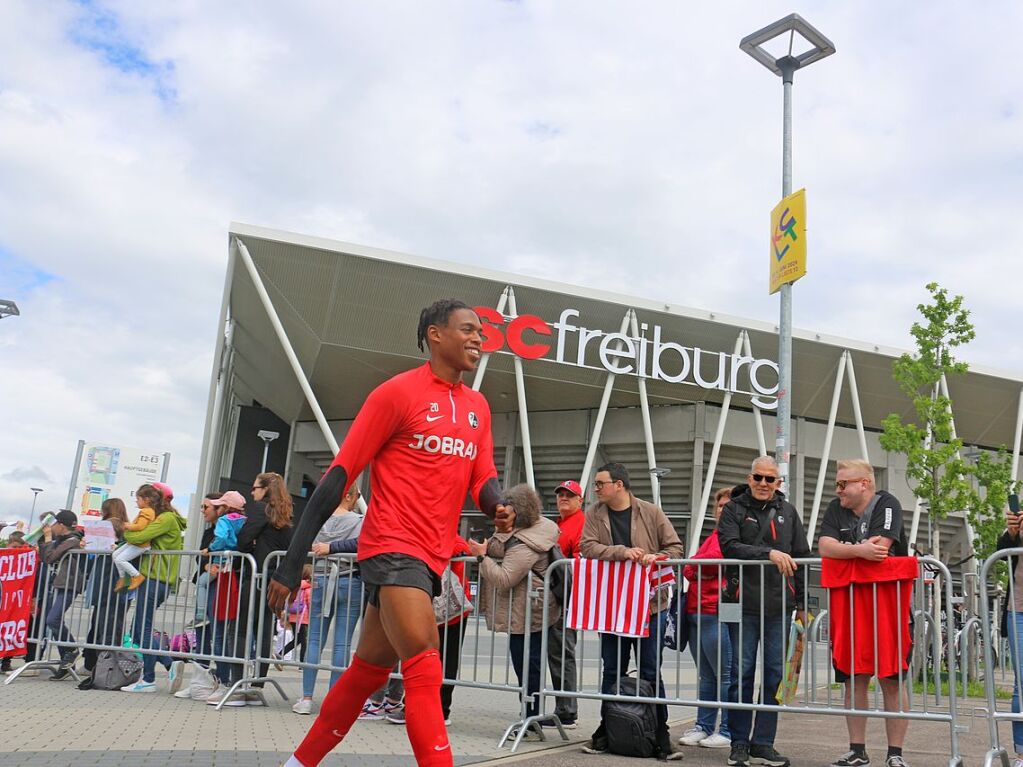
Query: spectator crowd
x=731 y=616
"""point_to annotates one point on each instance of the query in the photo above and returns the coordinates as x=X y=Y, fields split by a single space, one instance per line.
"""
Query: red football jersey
x=429 y=443
x=870 y=600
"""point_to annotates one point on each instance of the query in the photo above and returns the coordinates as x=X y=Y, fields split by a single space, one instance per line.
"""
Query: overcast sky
x=625 y=146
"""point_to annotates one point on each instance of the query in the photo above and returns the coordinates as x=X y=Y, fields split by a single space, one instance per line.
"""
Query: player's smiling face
x=460 y=344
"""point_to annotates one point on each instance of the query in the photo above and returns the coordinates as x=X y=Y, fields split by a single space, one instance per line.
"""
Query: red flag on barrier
x=17 y=580
x=611 y=597
x=856 y=620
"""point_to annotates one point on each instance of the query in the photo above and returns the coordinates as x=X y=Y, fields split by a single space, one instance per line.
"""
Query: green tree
x=941 y=477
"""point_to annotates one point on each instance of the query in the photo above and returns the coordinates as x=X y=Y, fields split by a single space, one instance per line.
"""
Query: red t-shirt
x=571 y=531
x=429 y=443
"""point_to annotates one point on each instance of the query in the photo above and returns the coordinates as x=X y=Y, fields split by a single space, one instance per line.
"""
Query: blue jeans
x=345 y=610
x=149 y=596
x=60 y=603
x=516 y=646
x=775 y=628
x=1016 y=648
x=614 y=657
x=705 y=638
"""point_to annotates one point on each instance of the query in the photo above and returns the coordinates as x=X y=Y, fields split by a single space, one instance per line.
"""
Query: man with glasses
x=622 y=527
x=759 y=524
x=862 y=523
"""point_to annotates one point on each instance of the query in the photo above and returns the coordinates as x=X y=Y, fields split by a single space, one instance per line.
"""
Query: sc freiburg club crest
x=474 y=422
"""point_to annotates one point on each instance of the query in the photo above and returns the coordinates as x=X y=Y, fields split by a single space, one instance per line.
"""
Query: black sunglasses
x=764 y=478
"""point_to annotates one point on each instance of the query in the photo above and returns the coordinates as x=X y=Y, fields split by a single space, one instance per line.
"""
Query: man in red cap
x=561 y=640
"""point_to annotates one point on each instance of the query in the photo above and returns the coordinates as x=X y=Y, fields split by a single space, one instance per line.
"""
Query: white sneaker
x=693 y=736
x=175 y=676
x=235 y=700
x=1017 y=762
x=303 y=706
x=717 y=740
x=140 y=686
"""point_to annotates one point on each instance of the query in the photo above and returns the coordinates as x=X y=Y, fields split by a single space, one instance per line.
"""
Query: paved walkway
x=52 y=724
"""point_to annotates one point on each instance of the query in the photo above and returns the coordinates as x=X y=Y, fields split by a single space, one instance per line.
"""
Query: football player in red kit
x=427 y=437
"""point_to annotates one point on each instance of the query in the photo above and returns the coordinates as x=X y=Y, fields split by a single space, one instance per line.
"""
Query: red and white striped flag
x=662 y=577
x=610 y=597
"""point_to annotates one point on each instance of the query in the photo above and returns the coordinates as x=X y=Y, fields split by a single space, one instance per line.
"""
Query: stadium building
x=575 y=377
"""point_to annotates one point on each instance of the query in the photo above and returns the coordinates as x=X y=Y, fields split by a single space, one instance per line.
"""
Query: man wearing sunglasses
x=759 y=524
x=862 y=523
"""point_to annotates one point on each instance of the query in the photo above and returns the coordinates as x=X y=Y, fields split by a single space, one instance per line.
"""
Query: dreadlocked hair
x=436 y=313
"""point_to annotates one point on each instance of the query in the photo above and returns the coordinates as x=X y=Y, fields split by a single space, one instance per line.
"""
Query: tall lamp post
x=35 y=494
x=785 y=67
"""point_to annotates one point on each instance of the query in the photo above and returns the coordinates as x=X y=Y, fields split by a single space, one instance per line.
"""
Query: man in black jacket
x=759 y=524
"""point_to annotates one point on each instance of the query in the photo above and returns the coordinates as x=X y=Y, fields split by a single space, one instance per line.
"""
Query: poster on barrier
x=106 y=471
x=17 y=579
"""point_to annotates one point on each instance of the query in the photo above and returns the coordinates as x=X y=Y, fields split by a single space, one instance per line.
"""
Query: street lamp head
x=8 y=309
x=786 y=66
x=660 y=473
x=268 y=436
x=36 y=489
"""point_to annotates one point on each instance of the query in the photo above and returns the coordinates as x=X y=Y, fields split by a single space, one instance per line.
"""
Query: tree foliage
x=941 y=477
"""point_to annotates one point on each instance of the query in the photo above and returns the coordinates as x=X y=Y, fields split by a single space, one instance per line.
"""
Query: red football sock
x=340 y=709
x=424 y=719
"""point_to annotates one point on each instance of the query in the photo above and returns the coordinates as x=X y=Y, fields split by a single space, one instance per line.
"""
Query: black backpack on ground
x=631 y=727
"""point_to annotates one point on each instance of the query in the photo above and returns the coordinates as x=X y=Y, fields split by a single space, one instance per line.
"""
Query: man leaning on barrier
x=865 y=524
x=759 y=524
x=622 y=527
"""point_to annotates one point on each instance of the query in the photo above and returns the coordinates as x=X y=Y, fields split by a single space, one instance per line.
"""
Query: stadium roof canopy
x=350 y=313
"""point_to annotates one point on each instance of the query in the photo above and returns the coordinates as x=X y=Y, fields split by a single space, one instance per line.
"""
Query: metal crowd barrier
x=997 y=752
x=88 y=616
x=814 y=694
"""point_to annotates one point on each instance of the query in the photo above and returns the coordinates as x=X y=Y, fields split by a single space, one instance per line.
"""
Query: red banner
x=17 y=579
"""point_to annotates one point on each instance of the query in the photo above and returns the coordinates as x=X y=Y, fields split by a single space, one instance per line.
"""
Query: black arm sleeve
x=490 y=495
x=324 y=500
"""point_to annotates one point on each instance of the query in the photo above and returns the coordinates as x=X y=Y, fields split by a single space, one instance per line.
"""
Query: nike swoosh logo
x=432 y=418
x=445 y=747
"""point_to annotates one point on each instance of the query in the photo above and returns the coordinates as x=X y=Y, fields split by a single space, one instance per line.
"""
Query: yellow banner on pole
x=788 y=240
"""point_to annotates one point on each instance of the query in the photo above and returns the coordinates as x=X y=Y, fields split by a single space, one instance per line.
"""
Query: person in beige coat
x=519 y=547
x=622 y=527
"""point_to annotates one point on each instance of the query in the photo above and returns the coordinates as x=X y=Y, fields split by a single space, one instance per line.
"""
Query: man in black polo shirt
x=866 y=524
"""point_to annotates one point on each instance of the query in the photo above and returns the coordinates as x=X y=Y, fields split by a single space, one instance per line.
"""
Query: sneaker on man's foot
x=766 y=755
x=895 y=761
x=86 y=684
x=717 y=740
x=597 y=745
x=692 y=736
x=372 y=710
x=852 y=759
x=175 y=676
x=739 y=755
x=62 y=672
x=140 y=686
x=235 y=700
x=254 y=697
x=303 y=706
x=447 y=722
x=396 y=715
x=568 y=724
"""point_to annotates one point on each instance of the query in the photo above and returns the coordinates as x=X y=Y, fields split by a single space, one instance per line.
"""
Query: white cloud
x=559 y=139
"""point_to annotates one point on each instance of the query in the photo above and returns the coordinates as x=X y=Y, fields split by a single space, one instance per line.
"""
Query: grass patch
x=973 y=689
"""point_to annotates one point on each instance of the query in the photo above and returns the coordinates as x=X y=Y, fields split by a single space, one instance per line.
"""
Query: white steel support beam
x=648 y=431
x=215 y=397
x=520 y=390
x=829 y=434
x=289 y=351
x=481 y=369
x=757 y=419
x=1017 y=438
x=715 y=451
x=598 y=423
x=914 y=528
x=857 y=412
